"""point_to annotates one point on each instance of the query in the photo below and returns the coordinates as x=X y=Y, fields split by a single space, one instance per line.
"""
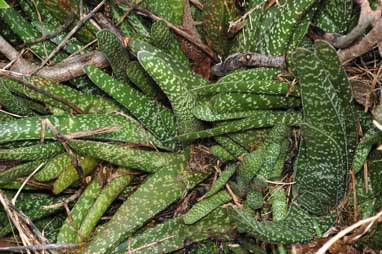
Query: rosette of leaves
x=328 y=140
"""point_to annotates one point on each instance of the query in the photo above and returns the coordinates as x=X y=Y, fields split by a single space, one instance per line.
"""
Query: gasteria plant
x=170 y=159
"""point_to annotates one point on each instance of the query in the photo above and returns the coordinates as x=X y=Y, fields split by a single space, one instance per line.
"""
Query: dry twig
x=364 y=45
x=25 y=182
x=64 y=141
x=69 y=35
x=235 y=198
x=63 y=71
x=366 y=18
x=237 y=25
x=150 y=244
x=127 y=13
x=239 y=60
x=66 y=201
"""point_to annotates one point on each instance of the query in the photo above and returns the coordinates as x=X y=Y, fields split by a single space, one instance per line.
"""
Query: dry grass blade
x=25 y=182
x=37 y=247
x=81 y=134
x=365 y=222
x=130 y=251
x=28 y=232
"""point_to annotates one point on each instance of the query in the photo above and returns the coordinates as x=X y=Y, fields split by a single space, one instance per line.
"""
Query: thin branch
x=11 y=114
x=69 y=35
x=66 y=201
x=364 y=45
x=81 y=134
x=239 y=60
x=63 y=71
x=235 y=198
x=175 y=28
x=71 y=220
x=13 y=55
x=20 y=78
x=72 y=67
x=81 y=50
x=366 y=18
x=279 y=182
x=48 y=36
x=378 y=125
x=10 y=64
x=237 y=25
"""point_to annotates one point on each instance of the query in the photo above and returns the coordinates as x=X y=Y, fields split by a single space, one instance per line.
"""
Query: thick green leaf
x=176 y=233
x=155 y=194
x=3 y=4
x=329 y=133
x=155 y=117
x=297 y=227
x=182 y=101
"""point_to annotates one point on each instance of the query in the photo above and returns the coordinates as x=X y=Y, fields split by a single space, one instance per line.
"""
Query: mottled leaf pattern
x=171 y=128
x=181 y=99
x=30 y=128
x=149 y=161
x=207 y=205
x=295 y=228
x=158 y=119
x=255 y=120
x=68 y=232
x=30 y=153
x=53 y=168
x=336 y=16
x=328 y=134
x=274 y=39
x=216 y=223
x=115 y=53
x=155 y=194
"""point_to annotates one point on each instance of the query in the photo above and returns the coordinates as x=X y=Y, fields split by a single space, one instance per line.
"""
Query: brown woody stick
x=366 y=18
x=364 y=45
x=63 y=71
x=240 y=60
